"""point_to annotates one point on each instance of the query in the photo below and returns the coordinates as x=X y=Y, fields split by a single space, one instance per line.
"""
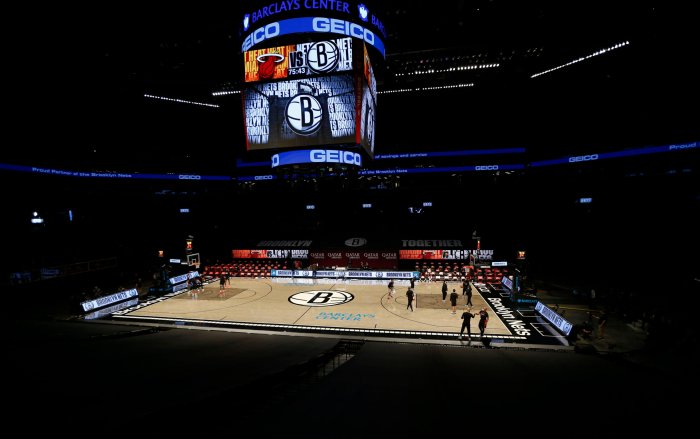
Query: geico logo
x=583 y=158
x=336 y=26
x=261 y=34
x=486 y=168
x=334 y=156
x=189 y=177
x=275 y=160
x=263 y=177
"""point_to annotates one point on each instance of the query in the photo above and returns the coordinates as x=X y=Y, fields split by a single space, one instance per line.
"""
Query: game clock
x=296 y=71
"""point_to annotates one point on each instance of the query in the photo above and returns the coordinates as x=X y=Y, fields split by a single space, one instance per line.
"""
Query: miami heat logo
x=267 y=61
x=304 y=114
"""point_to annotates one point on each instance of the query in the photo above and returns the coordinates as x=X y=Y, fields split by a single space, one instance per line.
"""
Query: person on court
x=409 y=295
x=467 y=317
x=468 y=292
x=453 y=300
x=222 y=284
x=391 y=289
x=483 y=321
x=444 y=290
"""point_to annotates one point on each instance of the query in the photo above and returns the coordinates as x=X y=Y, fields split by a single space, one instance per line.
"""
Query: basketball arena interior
x=204 y=206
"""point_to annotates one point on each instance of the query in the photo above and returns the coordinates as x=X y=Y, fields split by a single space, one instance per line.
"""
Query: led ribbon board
x=317 y=156
x=347 y=274
x=304 y=25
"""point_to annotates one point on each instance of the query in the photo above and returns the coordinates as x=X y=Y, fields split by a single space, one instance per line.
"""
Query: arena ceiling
x=553 y=77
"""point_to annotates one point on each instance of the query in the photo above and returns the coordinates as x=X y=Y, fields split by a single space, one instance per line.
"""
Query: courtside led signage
x=555 y=319
x=108 y=300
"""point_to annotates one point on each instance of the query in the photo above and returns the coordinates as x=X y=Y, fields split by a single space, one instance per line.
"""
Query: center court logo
x=321 y=298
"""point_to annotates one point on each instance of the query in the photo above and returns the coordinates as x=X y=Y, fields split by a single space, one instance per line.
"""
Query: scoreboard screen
x=299 y=113
x=298 y=60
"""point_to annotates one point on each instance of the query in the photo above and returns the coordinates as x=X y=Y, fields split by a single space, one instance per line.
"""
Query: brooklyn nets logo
x=321 y=298
x=355 y=242
x=323 y=57
x=304 y=114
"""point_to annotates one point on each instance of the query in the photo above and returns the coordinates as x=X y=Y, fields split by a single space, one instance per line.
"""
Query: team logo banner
x=304 y=59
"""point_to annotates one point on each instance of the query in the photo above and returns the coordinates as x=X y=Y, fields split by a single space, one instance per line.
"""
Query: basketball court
x=345 y=307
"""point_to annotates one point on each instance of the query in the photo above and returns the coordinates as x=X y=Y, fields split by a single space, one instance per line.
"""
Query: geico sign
x=336 y=26
x=318 y=24
x=486 y=168
x=583 y=158
x=333 y=156
x=261 y=34
x=263 y=177
x=189 y=177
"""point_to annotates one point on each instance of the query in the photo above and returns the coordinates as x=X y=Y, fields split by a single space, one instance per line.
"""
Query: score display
x=298 y=60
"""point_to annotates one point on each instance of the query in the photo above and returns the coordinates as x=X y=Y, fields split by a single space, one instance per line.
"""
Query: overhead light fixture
x=451 y=69
x=225 y=92
x=441 y=87
x=578 y=60
x=180 y=101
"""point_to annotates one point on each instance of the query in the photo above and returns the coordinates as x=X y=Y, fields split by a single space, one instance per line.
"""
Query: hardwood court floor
x=268 y=301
